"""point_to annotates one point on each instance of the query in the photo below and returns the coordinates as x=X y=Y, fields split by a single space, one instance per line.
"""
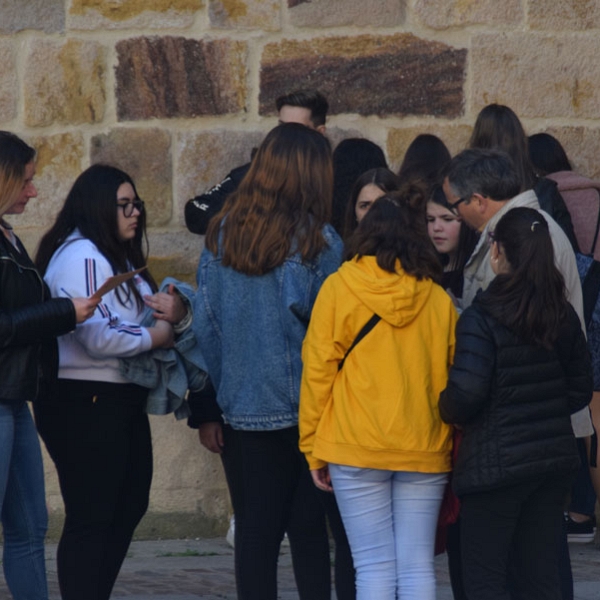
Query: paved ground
x=194 y=569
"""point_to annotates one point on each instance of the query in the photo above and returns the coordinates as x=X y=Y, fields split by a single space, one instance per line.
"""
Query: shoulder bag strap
x=361 y=334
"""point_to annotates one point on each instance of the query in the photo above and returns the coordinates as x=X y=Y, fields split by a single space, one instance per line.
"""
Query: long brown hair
x=281 y=205
x=394 y=229
x=497 y=126
x=530 y=300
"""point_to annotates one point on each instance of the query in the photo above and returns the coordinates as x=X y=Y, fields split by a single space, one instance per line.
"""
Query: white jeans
x=390 y=519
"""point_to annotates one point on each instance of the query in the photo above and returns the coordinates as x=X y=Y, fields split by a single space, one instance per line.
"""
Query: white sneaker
x=230 y=537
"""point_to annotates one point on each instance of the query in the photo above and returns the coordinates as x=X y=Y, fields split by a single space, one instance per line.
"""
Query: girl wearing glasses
x=93 y=422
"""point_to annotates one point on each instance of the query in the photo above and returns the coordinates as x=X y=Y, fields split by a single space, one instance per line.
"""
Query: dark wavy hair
x=281 y=205
x=497 y=126
x=312 y=100
x=351 y=158
x=425 y=160
x=394 y=229
x=530 y=300
x=383 y=178
x=91 y=208
x=547 y=155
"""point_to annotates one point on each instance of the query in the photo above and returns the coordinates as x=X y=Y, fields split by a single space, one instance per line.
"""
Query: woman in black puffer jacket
x=521 y=368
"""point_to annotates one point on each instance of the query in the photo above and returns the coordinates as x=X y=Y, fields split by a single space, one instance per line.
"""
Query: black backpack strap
x=361 y=334
x=590 y=288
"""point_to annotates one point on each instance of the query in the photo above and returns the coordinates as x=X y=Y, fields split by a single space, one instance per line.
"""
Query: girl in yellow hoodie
x=369 y=421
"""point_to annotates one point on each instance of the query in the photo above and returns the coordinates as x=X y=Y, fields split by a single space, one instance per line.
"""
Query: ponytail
x=530 y=299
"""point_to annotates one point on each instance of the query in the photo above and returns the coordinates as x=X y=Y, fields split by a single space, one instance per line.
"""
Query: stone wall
x=177 y=92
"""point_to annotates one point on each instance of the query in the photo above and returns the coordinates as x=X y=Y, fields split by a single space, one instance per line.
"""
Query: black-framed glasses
x=454 y=205
x=129 y=207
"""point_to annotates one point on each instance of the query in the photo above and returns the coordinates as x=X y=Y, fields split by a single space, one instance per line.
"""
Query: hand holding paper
x=115 y=281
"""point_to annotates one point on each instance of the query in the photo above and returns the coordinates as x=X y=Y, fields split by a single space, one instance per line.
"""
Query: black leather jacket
x=29 y=324
x=513 y=401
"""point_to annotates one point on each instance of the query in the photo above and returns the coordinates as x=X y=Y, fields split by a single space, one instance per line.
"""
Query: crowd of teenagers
x=397 y=360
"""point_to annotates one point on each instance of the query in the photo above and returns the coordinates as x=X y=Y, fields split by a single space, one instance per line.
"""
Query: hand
x=162 y=335
x=167 y=306
x=211 y=436
x=84 y=308
x=322 y=479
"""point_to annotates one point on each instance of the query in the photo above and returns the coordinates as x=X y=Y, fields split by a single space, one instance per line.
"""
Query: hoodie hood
x=570 y=181
x=396 y=297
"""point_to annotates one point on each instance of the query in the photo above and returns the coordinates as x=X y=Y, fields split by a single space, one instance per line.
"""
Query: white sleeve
x=112 y=332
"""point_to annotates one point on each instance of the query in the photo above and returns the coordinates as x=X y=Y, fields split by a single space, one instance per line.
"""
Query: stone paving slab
x=194 y=569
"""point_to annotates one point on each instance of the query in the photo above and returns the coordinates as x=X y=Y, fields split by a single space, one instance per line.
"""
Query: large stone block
x=582 y=145
x=8 y=82
x=161 y=77
x=337 y=13
x=58 y=165
x=369 y=75
x=146 y=14
x=562 y=16
x=457 y=13
x=245 y=14
x=537 y=75
x=456 y=138
x=205 y=157
x=174 y=253
x=65 y=83
x=145 y=154
x=45 y=15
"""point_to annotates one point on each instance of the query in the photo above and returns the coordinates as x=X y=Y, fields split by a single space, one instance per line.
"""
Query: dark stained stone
x=369 y=75
x=292 y=3
x=160 y=77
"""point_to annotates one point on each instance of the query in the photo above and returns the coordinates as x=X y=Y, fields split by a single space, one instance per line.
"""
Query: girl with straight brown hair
x=267 y=254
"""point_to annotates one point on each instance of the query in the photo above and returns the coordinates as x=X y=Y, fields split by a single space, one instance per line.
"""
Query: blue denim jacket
x=168 y=372
x=250 y=330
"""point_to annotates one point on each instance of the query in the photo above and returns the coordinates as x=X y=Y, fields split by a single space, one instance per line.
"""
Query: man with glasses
x=481 y=186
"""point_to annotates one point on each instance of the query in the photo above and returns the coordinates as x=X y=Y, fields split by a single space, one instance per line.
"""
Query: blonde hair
x=15 y=155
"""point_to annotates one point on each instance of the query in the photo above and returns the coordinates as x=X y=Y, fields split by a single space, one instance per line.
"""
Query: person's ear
x=321 y=129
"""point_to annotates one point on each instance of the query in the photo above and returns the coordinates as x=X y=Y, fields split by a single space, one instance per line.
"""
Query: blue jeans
x=390 y=519
x=22 y=498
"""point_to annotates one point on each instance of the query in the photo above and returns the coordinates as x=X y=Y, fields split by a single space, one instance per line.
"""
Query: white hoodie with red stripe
x=91 y=352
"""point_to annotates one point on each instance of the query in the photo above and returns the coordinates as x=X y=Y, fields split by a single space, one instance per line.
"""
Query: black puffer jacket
x=29 y=323
x=513 y=401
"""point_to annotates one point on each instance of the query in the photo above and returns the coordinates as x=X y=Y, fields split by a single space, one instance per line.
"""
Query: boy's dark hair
x=310 y=99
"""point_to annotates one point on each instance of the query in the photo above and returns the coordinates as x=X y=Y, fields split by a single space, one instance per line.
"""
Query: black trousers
x=272 y=492
x=512 y=535
x=98 y=436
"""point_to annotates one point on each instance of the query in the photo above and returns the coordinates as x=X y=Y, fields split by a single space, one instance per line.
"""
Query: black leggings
x=272 y=492
x=99 y=439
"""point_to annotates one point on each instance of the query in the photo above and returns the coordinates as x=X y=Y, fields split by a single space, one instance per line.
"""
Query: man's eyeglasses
x=129 y=207
x=454 y=206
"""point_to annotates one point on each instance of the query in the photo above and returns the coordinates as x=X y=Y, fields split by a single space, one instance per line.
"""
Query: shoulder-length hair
x=425 y=160
x=383 y=178
x=467 y=238
x=547 y=154
x=281 y=205
x=497 y=126
x=530 y=300
x=91 y=208
x=394 y=229
x=15 y=155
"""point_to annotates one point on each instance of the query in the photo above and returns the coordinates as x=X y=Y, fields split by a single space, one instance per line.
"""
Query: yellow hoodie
x=381 y=410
